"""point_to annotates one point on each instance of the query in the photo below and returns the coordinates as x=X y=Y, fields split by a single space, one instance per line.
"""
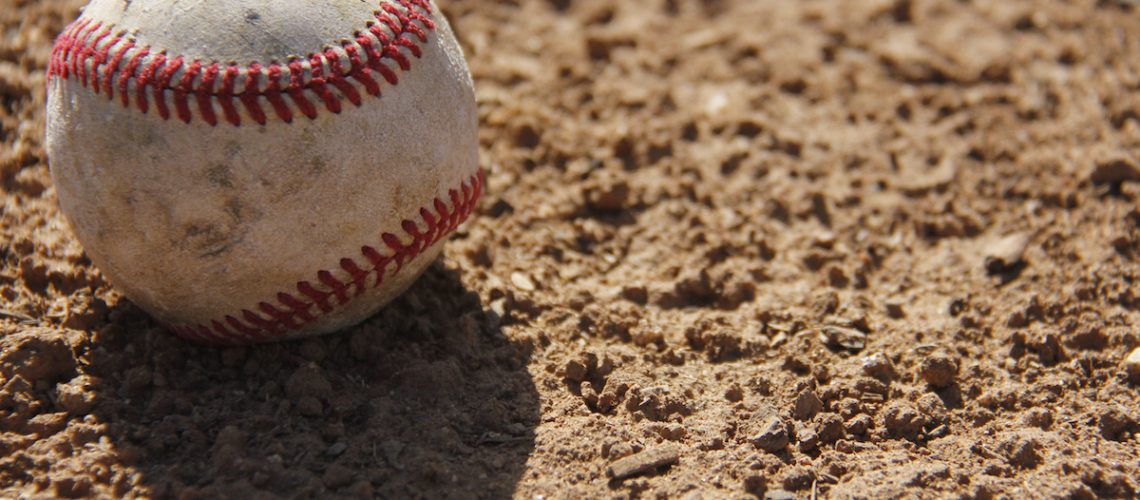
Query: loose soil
x=875 y=248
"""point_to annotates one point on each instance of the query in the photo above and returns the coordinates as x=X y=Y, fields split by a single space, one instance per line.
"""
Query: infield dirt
x=845 y=248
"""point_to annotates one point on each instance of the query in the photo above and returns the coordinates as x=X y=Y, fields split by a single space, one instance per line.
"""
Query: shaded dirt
x=857 y=248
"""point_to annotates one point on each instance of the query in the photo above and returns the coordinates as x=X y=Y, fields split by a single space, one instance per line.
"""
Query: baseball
x=262 y=170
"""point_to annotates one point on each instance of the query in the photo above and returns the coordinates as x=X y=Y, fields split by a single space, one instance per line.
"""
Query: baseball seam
x=110 y=62
x=291 y=311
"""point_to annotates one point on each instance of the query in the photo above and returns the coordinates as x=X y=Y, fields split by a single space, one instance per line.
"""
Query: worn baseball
x=261 y=170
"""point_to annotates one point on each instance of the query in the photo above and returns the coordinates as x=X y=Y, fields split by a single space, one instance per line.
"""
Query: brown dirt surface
x=873 y=248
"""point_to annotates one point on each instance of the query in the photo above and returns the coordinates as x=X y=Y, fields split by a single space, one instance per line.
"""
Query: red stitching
x=209 y=76
x=145 y=78
x=164 y=77
x=126 y=74
x=250 y=95
x=243 y=332
x=361 y=72
x=295 y=82
x=339 y=81
x=218 y=327
x=81 y=30
x=378 y=261
x=298 y=308
x=226 y=97
x=93 y=54
x=359 y=276
x=115 y=62
x=184 y=88
x=90 y=52
x=273 y=94
x=320 y=299
x=270 y=320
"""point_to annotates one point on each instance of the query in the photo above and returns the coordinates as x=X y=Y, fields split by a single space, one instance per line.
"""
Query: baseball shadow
x=426 y=399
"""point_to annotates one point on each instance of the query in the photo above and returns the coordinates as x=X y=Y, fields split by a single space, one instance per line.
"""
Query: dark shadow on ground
x=426 y=399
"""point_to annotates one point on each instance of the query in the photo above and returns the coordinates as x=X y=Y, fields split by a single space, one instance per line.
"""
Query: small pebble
x=837 y=277
x=1114 y=422
x=879 y=366
x=839 y=337
x=932 y=406
x=1021 y=450
x=643 y=462
x=637 y=294
x=755 y=484
x=778 y=339
x=68 y=487
x=607 y=195
x=307 y=381
x=773 y=435
x=1005 y=255
x=337 y=449
x=734 y=393
x=46 y=424
x=1115 y=169
x=902 y=420
x=809 y=440
x=859 y=424
x=799 y=478
x=522 y=282
x=1038 y=417
x=807 y=405
x=895 y=309
x=938 y=370
x=1131 y=366
x=74 y=397
x=576 y=371
x=829 y=426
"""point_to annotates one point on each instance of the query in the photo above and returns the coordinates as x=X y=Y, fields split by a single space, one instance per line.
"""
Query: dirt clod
x=1041 y=418
x=879 y=366
x=575 y=371
x=36 y=355
x=307 y=382
x=939 y=370
x=1116 y=169
x=859 y=424
x=76 y=396
x=1113 y=422
x=607 y=195
x=902 y=420
x=895 y=309
x=808 y=440
x=773 y=435
x=1021 y=450
x=807 y=405
x=829 y=426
